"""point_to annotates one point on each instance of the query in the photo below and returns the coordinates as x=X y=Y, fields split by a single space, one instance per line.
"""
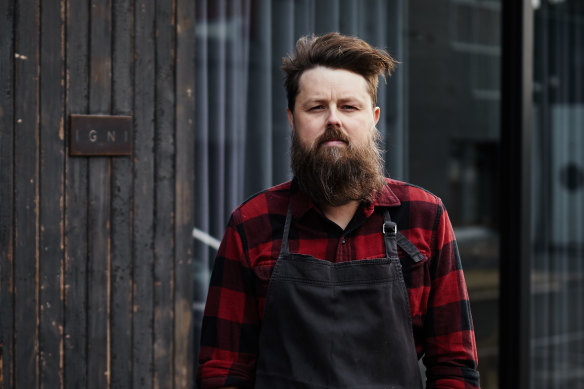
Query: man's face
x=333 y=98
x=334 y=153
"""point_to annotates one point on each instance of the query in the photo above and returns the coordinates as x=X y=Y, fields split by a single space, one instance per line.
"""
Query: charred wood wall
x=96 y=285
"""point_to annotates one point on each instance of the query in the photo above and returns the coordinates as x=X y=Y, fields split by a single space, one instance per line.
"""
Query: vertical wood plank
x=121 y=230
x=184 y=337
x=164 y=214
x=98 y=326
x=26 y=212
x=143 y=229
x=51 y=192
x=6 y=193
x=77 y=52
x=98 y=275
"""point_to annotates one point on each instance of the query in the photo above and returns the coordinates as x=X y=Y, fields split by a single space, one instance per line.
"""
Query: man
x=341 y=278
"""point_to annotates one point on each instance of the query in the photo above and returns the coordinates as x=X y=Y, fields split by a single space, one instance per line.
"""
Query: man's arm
x=450 y=355
x=230 y=329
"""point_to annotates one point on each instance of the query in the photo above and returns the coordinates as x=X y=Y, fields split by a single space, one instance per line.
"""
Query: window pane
x=557 y=346
x=454 y=89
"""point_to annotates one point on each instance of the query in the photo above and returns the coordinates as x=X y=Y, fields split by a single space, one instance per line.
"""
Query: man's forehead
x=325 y=71
x=320 y=81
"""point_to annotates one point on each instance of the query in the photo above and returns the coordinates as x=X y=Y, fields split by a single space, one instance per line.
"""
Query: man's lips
x=333 y=142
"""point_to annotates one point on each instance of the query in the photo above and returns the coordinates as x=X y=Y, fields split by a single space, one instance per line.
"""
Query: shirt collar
x=301 y=203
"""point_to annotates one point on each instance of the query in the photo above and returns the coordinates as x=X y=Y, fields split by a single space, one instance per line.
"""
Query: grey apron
x=338 y=325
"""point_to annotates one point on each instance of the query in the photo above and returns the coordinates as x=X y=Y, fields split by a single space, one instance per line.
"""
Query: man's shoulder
x=273 y=200
x=409 y=193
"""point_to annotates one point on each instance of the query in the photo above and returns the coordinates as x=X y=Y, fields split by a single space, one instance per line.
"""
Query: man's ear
x=290 y=117
x=376 y=113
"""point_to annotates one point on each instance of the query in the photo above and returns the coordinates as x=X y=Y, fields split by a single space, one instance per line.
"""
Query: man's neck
x=342 y=214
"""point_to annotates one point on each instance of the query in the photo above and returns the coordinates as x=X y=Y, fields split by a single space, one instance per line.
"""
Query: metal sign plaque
x=100 y=135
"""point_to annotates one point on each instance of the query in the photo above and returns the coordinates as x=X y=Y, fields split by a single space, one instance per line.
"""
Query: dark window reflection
x=557 y=346
x=454 y=80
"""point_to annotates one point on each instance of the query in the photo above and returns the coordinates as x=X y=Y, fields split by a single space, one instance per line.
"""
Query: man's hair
x=335 y=51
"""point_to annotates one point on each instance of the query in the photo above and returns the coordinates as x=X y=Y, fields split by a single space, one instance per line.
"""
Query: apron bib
x=337 y=325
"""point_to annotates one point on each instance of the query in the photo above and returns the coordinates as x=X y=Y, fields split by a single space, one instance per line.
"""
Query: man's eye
x=317 y=107
x=349 y=107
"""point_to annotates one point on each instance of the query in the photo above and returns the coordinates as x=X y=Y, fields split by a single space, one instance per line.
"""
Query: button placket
x=343 y=249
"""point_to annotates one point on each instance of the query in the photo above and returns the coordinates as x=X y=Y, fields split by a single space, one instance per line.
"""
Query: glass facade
x=557 y=274
x=454 y=99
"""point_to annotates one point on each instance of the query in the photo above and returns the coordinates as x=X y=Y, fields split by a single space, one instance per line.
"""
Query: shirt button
x=343 y=241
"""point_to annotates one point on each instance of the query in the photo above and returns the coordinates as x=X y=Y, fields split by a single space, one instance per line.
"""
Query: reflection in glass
x=557 y=333
x=454 y=100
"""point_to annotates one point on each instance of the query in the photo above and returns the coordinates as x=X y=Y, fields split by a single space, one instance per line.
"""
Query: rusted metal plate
x=100 y=135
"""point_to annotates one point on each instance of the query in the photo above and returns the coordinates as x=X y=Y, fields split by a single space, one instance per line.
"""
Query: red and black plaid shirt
x=441 y=319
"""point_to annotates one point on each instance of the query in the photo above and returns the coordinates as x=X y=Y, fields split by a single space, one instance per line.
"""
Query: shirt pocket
x=410 y=249
x=414 y=265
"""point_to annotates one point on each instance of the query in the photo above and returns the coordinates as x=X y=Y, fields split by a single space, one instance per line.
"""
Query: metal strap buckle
x=390 y=224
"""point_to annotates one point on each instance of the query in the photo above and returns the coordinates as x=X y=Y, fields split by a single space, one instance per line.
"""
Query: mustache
x=332 y=133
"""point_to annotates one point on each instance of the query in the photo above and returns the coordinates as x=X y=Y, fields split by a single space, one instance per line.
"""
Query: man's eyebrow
x=351 y=98
x=314 y=100
x=321 y=99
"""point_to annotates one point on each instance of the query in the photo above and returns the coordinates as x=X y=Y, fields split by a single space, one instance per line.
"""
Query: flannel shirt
x=439 y=305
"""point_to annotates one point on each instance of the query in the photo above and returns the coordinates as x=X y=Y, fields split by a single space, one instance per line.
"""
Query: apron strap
x=285 y=250
x=389 y=235
x=390 y=231
x=409 y=248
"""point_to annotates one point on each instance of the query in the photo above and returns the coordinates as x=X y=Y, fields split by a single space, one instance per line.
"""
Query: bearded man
x=341 y=278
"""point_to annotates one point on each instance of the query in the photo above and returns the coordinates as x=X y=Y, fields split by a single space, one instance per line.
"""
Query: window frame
x=515 y=196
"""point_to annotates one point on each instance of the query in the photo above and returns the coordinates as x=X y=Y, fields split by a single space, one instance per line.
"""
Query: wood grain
x=52 y=188
x=99 y=203
x=144 y=193
x=164 y=206
x=6 y=193
x=121 y=229
x=76 y=201
x=184 y=335
x=26 y=194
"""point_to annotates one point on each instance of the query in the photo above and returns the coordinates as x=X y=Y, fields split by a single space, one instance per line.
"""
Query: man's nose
x=333 y=118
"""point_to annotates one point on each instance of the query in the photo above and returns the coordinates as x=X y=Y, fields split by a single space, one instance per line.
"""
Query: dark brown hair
x=335 y=51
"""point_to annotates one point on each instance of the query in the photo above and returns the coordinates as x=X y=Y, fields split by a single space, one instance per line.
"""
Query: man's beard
x=335 y=176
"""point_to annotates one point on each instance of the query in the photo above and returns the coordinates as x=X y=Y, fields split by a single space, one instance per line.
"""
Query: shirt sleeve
x=450 y=352
x=230 y=327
